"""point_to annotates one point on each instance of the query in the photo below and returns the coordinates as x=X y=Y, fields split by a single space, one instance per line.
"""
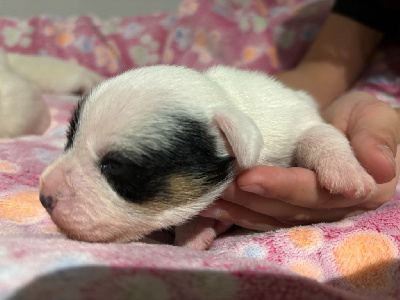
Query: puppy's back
x=280 y=113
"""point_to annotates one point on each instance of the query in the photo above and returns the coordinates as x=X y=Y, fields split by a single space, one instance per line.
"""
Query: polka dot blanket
x=356 y=258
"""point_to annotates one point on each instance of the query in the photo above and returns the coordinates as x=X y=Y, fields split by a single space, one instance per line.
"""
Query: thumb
x=373 y=132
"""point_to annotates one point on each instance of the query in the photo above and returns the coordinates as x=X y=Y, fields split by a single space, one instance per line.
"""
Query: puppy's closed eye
x=112 y=167
x=132 y=182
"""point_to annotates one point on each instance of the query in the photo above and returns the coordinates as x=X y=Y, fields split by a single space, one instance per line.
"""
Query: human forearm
x=397 y=109
x=334 y=61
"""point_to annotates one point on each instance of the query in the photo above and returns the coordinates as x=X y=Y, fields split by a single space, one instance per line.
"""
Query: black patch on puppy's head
x=187 y=167
x=74 y=122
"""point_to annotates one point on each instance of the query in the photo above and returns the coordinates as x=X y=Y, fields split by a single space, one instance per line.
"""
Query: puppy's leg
x=199 y=233
x=325 y=150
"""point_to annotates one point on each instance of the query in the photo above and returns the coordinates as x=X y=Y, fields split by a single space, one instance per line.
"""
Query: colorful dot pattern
x=357 y=258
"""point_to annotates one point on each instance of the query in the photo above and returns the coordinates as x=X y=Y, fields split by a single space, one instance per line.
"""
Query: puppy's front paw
x=326 y=151
x=344 y=175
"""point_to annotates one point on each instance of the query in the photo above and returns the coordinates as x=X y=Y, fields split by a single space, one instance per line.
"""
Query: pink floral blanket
x=357 y=258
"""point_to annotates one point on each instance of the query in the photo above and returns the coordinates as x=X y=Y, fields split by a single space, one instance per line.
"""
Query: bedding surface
x=356 y=258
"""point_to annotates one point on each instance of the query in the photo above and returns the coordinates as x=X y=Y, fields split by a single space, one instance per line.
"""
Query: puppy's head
x=144 y=151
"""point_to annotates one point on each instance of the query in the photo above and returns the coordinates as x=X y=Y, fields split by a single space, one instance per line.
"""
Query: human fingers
x=299 y=187
x=239 y=215
x=294 y=186
x=227 y=211
x=253 y=211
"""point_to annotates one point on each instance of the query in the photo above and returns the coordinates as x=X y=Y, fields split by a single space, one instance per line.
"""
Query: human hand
x=266 y=197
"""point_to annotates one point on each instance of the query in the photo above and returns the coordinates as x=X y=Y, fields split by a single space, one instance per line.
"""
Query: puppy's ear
x=242 y=135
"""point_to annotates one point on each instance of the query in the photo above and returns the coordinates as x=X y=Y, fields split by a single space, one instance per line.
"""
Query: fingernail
x=389 y=155
x=253 y=188
x=213 y=212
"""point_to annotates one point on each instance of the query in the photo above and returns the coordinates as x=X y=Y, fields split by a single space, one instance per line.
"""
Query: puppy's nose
x=48 y=202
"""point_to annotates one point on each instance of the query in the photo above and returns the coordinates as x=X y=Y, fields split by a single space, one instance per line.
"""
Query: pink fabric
x=357 y=258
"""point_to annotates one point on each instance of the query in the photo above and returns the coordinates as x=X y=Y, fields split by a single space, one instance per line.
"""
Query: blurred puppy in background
x=151 y=148
x=24 y=78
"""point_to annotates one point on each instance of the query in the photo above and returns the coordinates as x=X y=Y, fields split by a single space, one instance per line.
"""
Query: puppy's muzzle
x=54 y=188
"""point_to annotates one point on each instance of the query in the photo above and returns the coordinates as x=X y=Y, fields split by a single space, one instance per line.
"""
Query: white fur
x=24 y=78
x=54 y=75
x=22 y=109
x=250 y=116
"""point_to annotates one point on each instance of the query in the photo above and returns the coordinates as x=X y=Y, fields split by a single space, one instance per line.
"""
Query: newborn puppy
x=54 y=75
x=22 y=108
x=24 y=78
x=151 y=148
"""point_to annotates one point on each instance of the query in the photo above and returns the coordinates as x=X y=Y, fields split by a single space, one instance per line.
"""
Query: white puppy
x=151 y=148
x=24 y=78
x=22 y=109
